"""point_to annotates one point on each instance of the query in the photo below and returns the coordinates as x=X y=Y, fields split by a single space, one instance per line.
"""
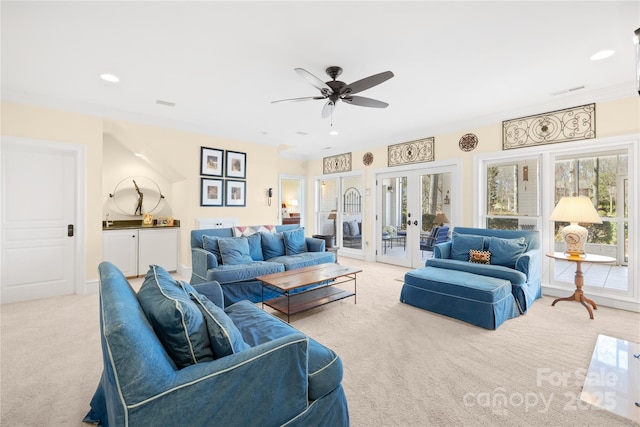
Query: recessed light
x=111 y=78
x=602 y=54
x=333 y=132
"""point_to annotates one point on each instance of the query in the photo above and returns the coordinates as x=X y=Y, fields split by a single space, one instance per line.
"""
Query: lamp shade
x=332 y=215
x=575 y=210
x=440 y=219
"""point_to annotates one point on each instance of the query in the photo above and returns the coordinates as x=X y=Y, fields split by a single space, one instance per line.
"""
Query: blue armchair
x=277 y=376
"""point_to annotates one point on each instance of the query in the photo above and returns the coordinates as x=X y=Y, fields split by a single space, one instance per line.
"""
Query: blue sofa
x=265 y=252
x=172 y=355
x=498 y=280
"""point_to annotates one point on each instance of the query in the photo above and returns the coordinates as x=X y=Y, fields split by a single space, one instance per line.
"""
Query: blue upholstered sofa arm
x=315 y=245
x=202 y=260
x=213 y=291
x=529 y=264
x=442 y=250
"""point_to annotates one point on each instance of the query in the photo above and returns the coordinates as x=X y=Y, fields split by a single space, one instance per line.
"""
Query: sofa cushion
x=272 y=245
x=234 y=250
x=210 y=243
x=462 y=243
x=505 y=252
x=175 y=318
x=307 y=259
x=255 y=247
x=294 y=241
x=479 y=257
x=514 y=276
x=240 y=272
x=258 y=327
x=225 y=337
x=251 y=230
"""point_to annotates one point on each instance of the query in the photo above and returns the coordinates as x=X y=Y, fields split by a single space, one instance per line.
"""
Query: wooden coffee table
x=288 y=281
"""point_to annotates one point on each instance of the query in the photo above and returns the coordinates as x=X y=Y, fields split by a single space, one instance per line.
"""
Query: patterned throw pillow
x=479 y=257
x=245 y=231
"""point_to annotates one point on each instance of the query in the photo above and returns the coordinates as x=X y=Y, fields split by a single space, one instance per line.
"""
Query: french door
x=408 y=202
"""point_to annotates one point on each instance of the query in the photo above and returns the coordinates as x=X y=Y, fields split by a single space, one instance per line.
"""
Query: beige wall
x=175 y=155
x=621 y=117
x=49 y=125
x=171 y=154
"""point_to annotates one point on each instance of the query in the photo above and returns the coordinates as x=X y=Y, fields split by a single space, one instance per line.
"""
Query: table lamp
x=575 y=210
x=440 y=219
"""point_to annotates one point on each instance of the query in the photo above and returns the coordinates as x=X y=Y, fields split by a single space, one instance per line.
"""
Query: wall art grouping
x=571 y=124
x=222 y=192
x=417 y=151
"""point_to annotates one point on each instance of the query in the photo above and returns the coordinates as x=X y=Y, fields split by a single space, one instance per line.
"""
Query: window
x=603 y=179
x=512 y=195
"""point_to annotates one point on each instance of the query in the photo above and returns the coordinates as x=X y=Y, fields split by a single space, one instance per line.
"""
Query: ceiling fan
x=335 y=90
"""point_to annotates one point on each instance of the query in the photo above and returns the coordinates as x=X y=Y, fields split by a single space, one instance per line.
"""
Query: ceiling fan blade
x=315 y=82
x=365 y=102
x=367 y=82
x=306 y=98
x=328 y=109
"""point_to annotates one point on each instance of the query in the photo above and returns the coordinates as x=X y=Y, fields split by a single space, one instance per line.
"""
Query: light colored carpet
x=403 y=366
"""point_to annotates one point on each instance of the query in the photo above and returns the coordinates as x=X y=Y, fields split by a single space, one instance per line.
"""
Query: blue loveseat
x=218 y=254
x=173 y=356
x=481 y=276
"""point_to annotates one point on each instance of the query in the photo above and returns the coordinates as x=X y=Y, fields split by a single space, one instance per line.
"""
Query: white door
x=38 y=219
x=408 y=202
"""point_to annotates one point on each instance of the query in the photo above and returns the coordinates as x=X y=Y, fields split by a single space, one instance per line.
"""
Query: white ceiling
x=457 y=65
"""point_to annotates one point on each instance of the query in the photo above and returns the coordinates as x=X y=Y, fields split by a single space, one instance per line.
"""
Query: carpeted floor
x=403 y=366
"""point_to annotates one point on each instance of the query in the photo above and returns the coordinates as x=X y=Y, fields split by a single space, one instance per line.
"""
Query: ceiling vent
x=573 y=89
x=165 y=103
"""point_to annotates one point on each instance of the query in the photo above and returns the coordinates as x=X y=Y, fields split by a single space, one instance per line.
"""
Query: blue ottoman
x=480 y=300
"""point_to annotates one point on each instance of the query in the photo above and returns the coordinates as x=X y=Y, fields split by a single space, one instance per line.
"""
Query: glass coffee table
x=326 y=276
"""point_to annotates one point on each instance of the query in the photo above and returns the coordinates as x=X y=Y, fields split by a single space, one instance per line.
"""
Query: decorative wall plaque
x=339 y=163
x=571 y=124
x=367 y=159
x=417 y=151
x=468 y=142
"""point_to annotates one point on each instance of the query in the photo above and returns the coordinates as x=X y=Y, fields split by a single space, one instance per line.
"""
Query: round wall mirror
x=137 y=195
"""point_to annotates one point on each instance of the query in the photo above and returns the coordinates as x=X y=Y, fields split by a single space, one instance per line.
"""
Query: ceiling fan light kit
x=336 y=90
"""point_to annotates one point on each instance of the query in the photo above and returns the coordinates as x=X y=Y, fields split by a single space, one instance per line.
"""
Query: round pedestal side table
x=578 y=294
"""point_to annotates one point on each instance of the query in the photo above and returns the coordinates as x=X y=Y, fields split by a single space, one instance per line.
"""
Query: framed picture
x=236 y=164
x=211 y=192
x=236 y=193
x=211 y=161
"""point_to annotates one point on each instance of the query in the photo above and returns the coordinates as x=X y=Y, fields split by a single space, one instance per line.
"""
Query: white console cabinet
x=133 y=250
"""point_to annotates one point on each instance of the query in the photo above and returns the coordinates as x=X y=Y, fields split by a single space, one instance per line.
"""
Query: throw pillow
x=272 y=245
x=346 y=229
x=234 y=250
x=175 y=318
x=355 y=228
x=294 y=241
x=255 y=247
x=462 y=243
x=248 y=231
x=224 y=335
x=505 y=252
x=479 y=257
x=210 y=243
